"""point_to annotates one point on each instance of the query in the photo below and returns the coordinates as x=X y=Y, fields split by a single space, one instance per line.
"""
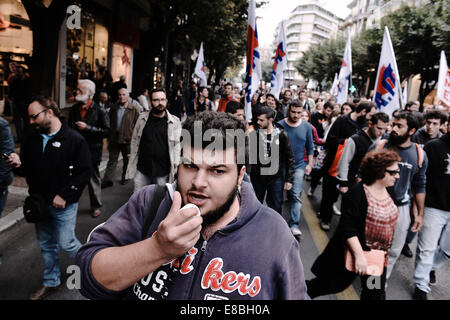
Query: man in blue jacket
x=224 y=250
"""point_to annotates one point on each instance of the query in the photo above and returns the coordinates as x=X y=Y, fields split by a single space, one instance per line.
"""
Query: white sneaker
x=336 y=210
x=296 y=231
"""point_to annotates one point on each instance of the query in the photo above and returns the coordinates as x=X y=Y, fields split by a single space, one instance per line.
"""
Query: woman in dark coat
x=368 y=220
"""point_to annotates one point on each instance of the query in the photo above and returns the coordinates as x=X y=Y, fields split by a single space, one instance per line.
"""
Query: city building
x=309 y=23
x=368 y=13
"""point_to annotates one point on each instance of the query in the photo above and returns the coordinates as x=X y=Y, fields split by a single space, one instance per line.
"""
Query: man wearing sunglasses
x=56 y=162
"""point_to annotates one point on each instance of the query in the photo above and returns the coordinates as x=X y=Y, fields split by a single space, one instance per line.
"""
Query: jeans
x=141 y=180
x=274 y=191
x=3 y=196
x=400 y=232
x=296 y=197
x=58 y=231
x=433 y=243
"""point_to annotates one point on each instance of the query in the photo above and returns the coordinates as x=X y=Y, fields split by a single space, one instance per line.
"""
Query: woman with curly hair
x=367 y=223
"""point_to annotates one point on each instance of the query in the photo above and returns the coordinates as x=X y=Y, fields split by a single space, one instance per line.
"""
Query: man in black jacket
x=56 y=163
x=343 y=128
x=356 y=148
x=433 y=245
x=275 y=172
x=433 y=121
x=92 y=122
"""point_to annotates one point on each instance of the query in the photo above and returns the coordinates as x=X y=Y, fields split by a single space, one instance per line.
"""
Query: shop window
x=122 y=63
x=16 y=44
x=87 y=55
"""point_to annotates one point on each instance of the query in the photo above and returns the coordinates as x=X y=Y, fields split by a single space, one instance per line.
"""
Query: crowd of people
x=389 y=172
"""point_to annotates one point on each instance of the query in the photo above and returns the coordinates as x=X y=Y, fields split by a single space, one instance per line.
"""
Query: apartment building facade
x=309 y=23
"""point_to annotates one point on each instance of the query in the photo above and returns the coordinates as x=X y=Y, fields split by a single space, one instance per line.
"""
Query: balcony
x=294 y=21
x=321 y=33
x=292 y=31
x=293 y=40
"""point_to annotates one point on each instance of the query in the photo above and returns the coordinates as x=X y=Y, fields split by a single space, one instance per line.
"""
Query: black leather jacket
x=98 y=127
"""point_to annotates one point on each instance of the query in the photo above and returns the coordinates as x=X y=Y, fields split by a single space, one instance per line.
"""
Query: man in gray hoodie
x=223 y=250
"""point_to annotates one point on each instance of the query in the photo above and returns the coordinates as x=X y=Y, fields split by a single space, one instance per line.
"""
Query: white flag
x=280 y=64
x=443 y=90
x=405 y=94
x=345 y=73
x=387 y=93
x=334 y=87
x=253 y=69
x=200 y=67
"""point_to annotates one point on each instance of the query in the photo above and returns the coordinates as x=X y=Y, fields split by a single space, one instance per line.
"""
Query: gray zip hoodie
x=254 y=257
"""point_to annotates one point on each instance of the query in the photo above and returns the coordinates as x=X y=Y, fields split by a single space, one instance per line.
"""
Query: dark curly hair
x=374 y=164
x=217 y=125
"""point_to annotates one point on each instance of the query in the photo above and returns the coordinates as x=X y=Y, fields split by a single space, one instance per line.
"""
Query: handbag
x=375 y=261
x=35 y=208
x=321 y=153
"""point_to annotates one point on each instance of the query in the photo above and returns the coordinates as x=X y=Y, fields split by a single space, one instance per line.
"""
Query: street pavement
x=21 y=270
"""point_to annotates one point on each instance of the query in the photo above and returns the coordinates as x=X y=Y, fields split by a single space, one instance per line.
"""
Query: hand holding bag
x=375 y=261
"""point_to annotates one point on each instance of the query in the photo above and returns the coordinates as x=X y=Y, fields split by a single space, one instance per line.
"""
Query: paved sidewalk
x=18 y=191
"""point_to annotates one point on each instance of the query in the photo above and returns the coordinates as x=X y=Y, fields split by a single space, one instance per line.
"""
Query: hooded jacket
x=254 y=257
x=344 y=127
x=422 y=137
x=282 y=159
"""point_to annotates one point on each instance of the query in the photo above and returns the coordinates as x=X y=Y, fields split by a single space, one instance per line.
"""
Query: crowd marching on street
x=390 y=173
x=219 y=173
